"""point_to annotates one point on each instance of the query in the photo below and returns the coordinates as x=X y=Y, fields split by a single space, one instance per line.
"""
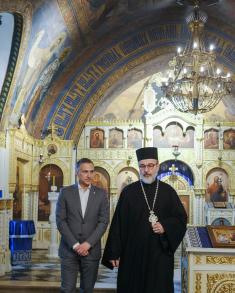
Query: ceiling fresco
x=80 y=55
x=130 y=105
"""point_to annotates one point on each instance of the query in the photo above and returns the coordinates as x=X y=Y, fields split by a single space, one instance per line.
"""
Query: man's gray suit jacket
x=74 y=228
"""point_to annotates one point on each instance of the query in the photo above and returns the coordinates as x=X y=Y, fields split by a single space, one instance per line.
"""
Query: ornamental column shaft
x=53 y=247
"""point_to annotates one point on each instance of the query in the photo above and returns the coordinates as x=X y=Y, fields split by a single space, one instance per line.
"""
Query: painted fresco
x=115 y=138
x=101 y=179
x=185 y=201
x=126 y=177
x=224 y=111
x=43 y=56
x=96 y=138
x=229 y=139
x=217 y=186
x=50 y=21
x=134 y=139
x=90 y=11
x=44 y=82
x=221 y=222
x=173 y=136
x=109 y=57
x=211 y=139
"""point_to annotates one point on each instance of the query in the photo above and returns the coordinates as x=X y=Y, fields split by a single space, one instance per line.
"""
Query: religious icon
x=51 y=149
x=217 y=189
x=229 y=139
x=115 y=138
x=173 y=136
x=97 y=138
x=211 y=139
x=222 y=236
x=134 y=139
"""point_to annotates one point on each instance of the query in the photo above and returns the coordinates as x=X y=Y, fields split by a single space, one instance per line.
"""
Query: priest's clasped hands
x=157 y=228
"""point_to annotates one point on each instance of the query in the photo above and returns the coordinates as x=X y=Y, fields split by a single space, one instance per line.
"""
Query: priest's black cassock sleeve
x=146 y=258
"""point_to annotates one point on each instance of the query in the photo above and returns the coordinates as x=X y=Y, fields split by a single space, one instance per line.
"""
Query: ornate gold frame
x=222 y=236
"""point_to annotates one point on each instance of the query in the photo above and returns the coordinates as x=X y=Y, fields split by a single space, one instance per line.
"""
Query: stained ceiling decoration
x=78 y=54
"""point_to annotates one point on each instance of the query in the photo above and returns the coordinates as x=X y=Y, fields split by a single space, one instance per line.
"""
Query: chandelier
x=195 y=84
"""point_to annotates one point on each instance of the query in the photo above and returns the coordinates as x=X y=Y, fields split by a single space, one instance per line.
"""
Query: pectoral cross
x=153 y=218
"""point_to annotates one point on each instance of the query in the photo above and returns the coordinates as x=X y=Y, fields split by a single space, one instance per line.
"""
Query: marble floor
x=44 y=272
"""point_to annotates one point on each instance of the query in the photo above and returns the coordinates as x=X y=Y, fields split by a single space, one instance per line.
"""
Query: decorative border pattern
x=2 y=139
x=192 y=237
x=21 y=257
x=221 y=283
x=16 y=40
x=198 y=283
x=230 y=260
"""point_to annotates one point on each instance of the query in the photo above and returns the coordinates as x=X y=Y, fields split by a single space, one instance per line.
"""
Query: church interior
x=93 y=78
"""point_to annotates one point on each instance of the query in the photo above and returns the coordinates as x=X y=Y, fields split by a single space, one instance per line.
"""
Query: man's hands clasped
x=82 y=249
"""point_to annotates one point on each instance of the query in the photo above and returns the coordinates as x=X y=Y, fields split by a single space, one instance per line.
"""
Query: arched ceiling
x=129 y=105
x=80 y=53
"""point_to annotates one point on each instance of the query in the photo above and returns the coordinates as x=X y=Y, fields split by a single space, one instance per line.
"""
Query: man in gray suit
x=82 y=216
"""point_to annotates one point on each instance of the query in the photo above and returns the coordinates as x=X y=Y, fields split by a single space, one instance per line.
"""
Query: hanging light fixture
x=41 y=159
x=175 y=151
x=195 y=84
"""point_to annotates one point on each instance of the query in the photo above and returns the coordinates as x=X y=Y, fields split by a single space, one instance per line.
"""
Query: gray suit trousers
x=70 y=267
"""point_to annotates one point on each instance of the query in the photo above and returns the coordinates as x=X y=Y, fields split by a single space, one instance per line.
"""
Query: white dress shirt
x=84 y=195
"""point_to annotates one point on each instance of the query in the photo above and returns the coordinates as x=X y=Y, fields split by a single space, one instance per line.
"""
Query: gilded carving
x=46 y=235
x=2 y=205
x=198 y=259
x=220 y=260
x=198 y=283
x=221 y=283
x=2 y=139
x=228 y=287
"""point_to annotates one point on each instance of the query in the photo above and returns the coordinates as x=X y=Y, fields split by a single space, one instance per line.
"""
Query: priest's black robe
x=146 y=258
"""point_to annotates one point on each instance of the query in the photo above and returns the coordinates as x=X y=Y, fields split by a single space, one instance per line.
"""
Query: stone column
x=53 y=247
x=199 y=208
x=26 y=207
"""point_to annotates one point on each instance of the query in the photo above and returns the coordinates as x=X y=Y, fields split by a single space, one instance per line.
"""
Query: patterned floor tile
x=41 y=269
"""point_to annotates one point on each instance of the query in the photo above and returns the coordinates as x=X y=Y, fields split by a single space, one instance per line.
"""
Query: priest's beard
x=148 y=179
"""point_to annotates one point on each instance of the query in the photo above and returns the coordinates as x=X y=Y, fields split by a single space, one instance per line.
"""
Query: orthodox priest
x=147 y=227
